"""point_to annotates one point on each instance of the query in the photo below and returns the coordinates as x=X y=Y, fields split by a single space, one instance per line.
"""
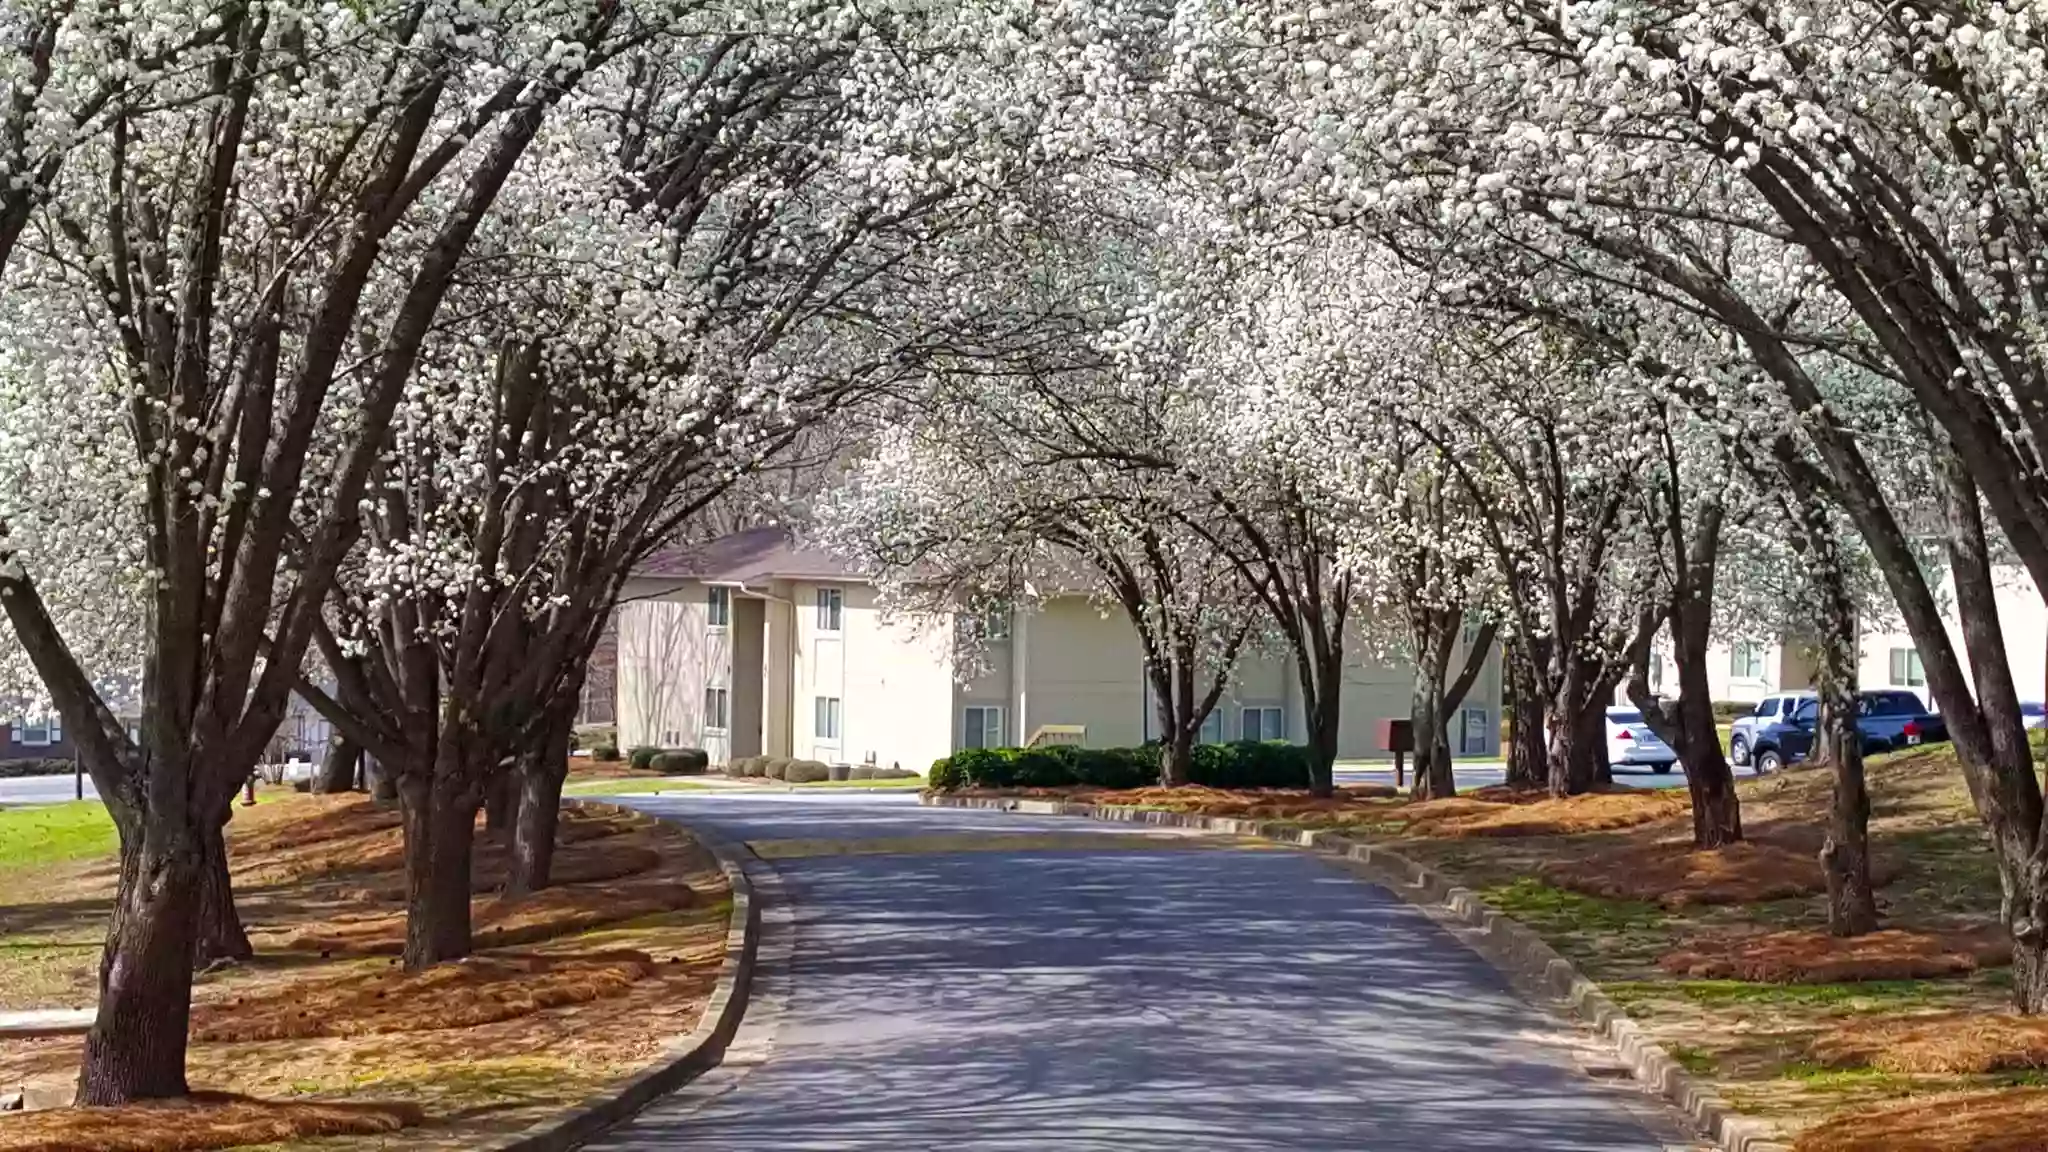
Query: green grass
x=1545 y=908
x=627 y=785
x=54 y=833
x=1697 y=1061
x=1859 y=995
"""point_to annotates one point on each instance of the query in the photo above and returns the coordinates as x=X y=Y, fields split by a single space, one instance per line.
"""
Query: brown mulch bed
x=477 y=990
x=1948 y=1044
x=1776 y=862
x=200 y=1122
x=615 y=963
x=1501 y=812
x=1818 y=958
x=2009 y=1121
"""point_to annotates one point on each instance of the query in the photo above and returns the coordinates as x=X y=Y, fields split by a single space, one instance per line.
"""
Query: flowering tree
x=220 y=242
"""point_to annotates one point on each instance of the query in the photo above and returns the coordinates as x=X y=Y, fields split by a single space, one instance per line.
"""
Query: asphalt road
x=977 y=982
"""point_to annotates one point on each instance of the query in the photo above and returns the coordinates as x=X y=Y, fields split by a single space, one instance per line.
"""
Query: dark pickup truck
x=1888 y=718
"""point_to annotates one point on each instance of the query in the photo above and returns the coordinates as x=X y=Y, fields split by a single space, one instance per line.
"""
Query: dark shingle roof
x=748 y=557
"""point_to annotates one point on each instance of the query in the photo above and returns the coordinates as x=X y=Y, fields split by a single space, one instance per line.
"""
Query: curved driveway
x=1075 y=986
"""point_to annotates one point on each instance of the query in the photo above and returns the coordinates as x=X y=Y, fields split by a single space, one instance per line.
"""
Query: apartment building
x=752 y=645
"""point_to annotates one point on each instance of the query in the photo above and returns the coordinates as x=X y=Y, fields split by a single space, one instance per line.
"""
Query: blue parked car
x=1887 y=718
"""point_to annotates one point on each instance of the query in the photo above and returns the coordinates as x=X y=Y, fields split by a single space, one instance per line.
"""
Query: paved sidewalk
x=45 y=1021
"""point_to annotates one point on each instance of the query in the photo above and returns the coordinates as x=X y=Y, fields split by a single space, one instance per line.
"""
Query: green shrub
x=12 y=769
x=641 y=757
x=807 y=772
x=776 y=767
x=862 y=772
x=945 y=774
x=1116 y=768
x=1725 y=711
x=755 y=767
x=682 y=762
x=605 y=753
x=1251 y=764
x=893 y=774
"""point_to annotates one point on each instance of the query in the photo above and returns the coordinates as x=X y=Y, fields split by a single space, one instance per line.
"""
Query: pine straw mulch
x=1954 y=1043
x=1723 y=957
x=1812 y=957
x=614 y=964
x=204 y=1121
x=1775 y=861
x=2009 y=1121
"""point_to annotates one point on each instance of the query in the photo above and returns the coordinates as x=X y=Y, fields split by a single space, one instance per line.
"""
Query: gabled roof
x=749 y=557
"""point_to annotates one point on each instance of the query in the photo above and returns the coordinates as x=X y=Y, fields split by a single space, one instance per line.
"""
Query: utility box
x=1397 y=735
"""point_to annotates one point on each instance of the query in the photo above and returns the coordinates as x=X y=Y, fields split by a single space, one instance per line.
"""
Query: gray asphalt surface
x=1131 y=999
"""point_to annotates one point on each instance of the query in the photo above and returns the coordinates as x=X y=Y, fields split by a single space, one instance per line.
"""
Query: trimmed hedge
x=682 y=762
x=640 y=758
x=870 y=772
x=13 y=769
x=605 y=753
x=1245 y=764
x=777 y=767
x=807 y=772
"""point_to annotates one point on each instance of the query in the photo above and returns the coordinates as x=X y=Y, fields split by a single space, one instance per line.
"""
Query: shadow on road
x=1130 y=1000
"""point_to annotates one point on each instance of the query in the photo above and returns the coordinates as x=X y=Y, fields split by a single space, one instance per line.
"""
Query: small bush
x=893 y=774
x=1725 y=711
x=1251 y=764
x=757 y=767
x=641 y=758
x=776 y=768
x=13 y=769
x=1116 y=769
x=946 y=774
x=862 y=772
x=807 y=772
x=605 y=753
x=682 y=762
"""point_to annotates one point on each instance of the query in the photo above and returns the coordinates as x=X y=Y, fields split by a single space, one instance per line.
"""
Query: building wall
x=893 y=680
x=668 y=654
x=1078 y=667
x=2021 y=616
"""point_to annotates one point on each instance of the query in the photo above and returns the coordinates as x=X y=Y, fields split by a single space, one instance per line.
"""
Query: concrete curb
x=690 y=1056
x=1507 y=944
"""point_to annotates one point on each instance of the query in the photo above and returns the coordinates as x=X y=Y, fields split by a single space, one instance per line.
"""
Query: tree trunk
x=338 y=771
x=1845 y=856
x=440 y=829
x=217 y=936
x=540 y=780
x=136 y=1047
x=1176 y=759
x=1322 y=745
x=1716 y=808
x=501 y=802
x=1527 y=755
x=382 y=781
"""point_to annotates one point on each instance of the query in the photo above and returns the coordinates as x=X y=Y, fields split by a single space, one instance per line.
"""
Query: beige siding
x=1079 y=668
x=893 y=681
x=668 y=654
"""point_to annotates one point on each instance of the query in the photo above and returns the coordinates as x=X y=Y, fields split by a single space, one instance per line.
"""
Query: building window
x=1212 y=727
x=983 y=727
x=36 y=731
x=1263 y=724
x=831 y=603
x=717 y=709
x=1472 y=733
x=995 y=624
x=1746 y=660
x=718 y=607
x=1472 y=624
x=827 y=725
x=1907 y=671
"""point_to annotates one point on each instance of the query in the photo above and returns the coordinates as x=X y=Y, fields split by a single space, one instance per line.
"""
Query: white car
x=1631 y=743
x=1768 y=711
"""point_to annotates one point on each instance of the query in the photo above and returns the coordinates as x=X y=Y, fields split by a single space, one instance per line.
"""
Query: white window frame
x=717 y=708
x=828 y=719
x=1472 y=722
x=831 y=610
x=1738 y=667
x=35 y=733
x=969 y=722
x=1262 y=711
x=1902 y=661
x=1470 y=633
x=718 y=607
x=1212 y=728
x=995 y=625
